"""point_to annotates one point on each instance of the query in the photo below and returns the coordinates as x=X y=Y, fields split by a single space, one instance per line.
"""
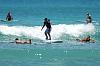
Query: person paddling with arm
x=86 y=39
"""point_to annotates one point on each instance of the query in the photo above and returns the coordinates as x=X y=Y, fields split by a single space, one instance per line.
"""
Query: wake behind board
x=53 y=41
x=8 y=21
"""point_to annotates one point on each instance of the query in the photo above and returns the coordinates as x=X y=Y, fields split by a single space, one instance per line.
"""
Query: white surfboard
x=53 y=41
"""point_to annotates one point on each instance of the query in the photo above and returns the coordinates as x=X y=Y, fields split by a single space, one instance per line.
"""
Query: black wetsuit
x=48 y=25
x=89 y=19
x=48 y=30
x=9 y=18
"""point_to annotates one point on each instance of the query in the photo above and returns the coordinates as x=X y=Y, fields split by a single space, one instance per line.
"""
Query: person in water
x=87 y=39
x=88 y=18
x=17 y=41
x=9 y=17
x=48 y=30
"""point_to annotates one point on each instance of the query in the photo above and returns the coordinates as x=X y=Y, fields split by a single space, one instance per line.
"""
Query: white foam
x=57 y=30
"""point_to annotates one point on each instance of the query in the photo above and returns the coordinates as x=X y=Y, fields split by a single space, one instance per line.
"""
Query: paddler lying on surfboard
x=87 y=39
x=17 y=41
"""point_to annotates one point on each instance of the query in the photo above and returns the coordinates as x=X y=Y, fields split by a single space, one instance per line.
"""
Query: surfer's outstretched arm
x=43 y=26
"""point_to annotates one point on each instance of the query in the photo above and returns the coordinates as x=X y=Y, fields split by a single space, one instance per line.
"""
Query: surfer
x=17 y=41
x=87 y=39
x=9 y=17
x=48 y=30
x=88 y=18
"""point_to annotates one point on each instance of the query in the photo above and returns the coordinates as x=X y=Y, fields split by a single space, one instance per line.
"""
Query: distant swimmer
x=48 y=30
x=9 y=17
x=17 y=41
x=88 y=18
x=87 y=39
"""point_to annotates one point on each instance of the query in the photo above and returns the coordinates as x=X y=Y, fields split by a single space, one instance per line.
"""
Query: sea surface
x=68 y=18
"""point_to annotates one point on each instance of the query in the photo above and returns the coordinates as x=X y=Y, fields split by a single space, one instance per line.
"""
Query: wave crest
x=57 y=30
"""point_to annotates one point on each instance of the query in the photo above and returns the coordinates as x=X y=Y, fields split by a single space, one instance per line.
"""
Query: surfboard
x=8 y=21
x=53 y=41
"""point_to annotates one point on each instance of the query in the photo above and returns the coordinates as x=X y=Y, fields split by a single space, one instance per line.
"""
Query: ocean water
x=68 y=23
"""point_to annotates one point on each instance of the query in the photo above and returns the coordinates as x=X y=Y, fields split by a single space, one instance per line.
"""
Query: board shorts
x=48 y=30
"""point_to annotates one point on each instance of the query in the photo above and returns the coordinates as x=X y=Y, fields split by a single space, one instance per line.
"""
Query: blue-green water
x=68 y=23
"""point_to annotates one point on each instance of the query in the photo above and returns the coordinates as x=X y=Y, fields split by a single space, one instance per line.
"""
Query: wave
x=58 y=31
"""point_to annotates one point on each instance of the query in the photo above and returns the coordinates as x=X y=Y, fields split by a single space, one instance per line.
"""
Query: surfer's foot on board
x=49 y=39
x=46 y=38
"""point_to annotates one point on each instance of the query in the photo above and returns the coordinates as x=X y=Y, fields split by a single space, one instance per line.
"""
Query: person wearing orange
x=87 y=39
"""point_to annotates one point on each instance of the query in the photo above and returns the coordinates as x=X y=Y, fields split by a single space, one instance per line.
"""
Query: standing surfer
x=48 y=30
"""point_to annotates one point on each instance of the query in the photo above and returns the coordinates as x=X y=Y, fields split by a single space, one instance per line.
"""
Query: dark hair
x=45 y=19
x=30 y=41
x=88 y=36
x=16 y=39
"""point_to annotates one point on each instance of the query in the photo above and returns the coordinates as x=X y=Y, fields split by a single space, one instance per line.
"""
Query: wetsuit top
x=89 y=17
x=48 y=25
x=8 y=16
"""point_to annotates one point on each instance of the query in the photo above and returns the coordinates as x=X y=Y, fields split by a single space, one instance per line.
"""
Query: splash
x=57 y=30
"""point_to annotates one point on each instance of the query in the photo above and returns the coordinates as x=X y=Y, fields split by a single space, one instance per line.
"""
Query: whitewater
x=58 y=31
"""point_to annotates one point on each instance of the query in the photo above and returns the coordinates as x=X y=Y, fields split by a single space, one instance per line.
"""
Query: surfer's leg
x=49 y=36
x=46 y=34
